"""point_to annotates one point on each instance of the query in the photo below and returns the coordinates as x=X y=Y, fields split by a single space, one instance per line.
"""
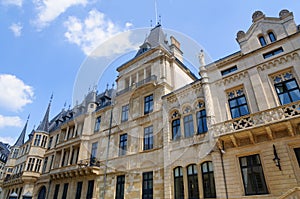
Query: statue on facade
x=201 y=58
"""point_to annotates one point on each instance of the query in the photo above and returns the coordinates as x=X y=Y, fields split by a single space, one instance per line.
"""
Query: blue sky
x=45 y=42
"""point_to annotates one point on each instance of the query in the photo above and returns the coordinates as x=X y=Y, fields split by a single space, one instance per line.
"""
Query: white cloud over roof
x=6 y=121
x=12 y=2
x=15 y=94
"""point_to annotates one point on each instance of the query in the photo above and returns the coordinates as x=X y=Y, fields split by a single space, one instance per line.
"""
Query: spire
x=44 y=125
x=21 y=138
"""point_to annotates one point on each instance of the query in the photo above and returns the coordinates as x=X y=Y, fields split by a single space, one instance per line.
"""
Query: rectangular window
x=15 y=154
x=272 y=53
x=38 y=165
x=178 y=183
x=148 y=104
x=90 y=190
x=94 y=150
x=55 y=196
x=201 y=121
x=123 y=144
x=188 y=125
x=50 y=142
x=45 y=165
x=78 y=190
x=176 y=132
x=37 y=140
x=148 y=138
x=147 y=185
x=30 y=164
x=229 y=70
x=238 y=106
x=262 y=41
x=125 y=112
x=192 y=176
x=287 y=91
x=208 y=180
x=120 y=187
x=44 y=141
x=65 y=191
x=253 y=176
x=97 y=124
x=297 y=153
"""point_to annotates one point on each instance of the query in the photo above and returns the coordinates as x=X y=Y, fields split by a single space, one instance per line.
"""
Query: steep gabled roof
x=21 y=138
x=44 y=125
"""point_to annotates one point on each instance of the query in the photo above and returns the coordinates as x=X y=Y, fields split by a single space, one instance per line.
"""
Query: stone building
x=164 y=133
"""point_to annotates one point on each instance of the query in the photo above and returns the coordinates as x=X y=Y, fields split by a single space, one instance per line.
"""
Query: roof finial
x=51 y=98
x=151 y=23
x=159 y=21
x=107 y=86
x=65 y=104
x=113 y=85
x=155 y=4
x=28 y=117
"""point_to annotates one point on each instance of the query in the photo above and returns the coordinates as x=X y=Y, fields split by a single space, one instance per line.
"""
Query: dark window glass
x=229 y=70
x=90 y=190
x=56 y=191
x=65 y=191
x=148 y=104
x=94 y=150
x=272 y=53
x=147 y=185
x=193 y=181
x=253 y=176
x=262 y=41
x=50 y=142
x=123 y=144
x=288 y=91
x=208 y=180
x=120 y=187
x=125 y=111
x=45 y=165
x=188 y=125
x=176 y=132
x=297 y=152
x=238 y=106
x=178 y=183
x=148 y=137
x=97 y=124
x=201 y=121
x=78 y=190
x=272 y=36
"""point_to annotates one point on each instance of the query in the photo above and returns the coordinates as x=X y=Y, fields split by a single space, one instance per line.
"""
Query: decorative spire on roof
x=44 y=125
x=21 y=138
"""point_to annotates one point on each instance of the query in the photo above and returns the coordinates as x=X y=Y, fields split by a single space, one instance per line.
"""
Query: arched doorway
x=42 y=193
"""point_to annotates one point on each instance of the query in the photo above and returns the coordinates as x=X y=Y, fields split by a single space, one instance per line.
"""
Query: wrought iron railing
x=261 y=118
x=13 y=176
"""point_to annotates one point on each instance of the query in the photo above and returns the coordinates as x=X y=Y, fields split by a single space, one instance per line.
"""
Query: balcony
x=152 y=78
x=267 y=117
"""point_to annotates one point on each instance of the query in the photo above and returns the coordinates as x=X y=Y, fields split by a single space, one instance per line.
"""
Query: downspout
x=223 y=169
x=107 y=151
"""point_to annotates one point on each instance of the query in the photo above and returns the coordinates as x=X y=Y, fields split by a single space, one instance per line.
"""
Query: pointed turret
x=44 y=125
x=156 y=38
x=21 y=138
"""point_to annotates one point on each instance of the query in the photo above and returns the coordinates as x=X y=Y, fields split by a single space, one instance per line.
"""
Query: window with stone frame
x=37 y=140
x=272 y=36
x=188 y=122
x=201 y=117
x=175 y=125
x=148 y=137
x=208 y=180
x=147 y=187
x=262 y=40
x=286 y=87
x=65 y=191
x=44 y=141
x=148 y=104
x=297 y=153
x=237 y=103
x=253 y=175
x=120 y=187
x=178 y=183
x=56 y=191
x=97 y=124
x=192 y=177
x=90 y=190
x=78 y=190
x=45 y=165
x=38 y=165
x=125 y=113
x=123 y=144
x=30 y=164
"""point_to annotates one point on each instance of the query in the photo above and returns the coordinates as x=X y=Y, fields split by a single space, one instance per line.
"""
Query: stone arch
x=42 y=193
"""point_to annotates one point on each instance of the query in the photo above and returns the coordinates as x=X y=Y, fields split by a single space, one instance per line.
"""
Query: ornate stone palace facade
x=164 y=133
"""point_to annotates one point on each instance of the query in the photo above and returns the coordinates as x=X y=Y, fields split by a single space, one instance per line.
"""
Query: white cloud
x=128 y=25
x=16 y=28
x=49 y=10
x=10 y=140
x=12 y=2
x=93 y=31
x=14 y=94
x=6 y=121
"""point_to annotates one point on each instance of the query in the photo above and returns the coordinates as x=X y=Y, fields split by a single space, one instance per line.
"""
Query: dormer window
x=262 y=41
x=272 y=36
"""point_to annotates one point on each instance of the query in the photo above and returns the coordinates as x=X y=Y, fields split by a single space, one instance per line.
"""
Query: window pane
x=244 y=110
x=279 y=88
x=235 y=113
x=295 y=95
x=233 y=103
x=291 y=84
x=284 y=98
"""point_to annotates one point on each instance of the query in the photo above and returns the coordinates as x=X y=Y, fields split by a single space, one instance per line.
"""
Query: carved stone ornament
x=283 y=13
x=257 y=15
x=240 y=34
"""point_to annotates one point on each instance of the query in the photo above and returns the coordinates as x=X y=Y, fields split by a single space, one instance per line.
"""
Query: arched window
x=42 y=193
x=272 y=36
x=262 y=41
x=178 y=183
x=201 y=118
x=208 y=180
x=192 y=181
x=176 y=132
